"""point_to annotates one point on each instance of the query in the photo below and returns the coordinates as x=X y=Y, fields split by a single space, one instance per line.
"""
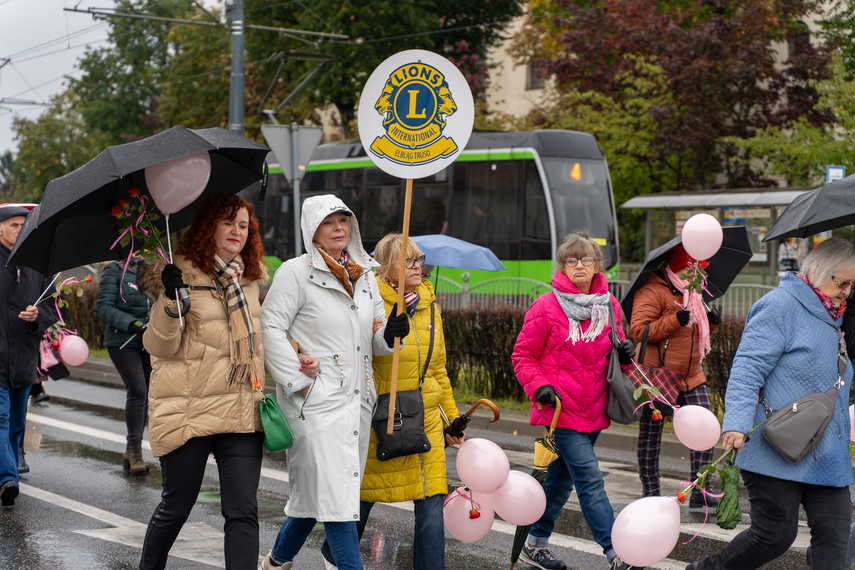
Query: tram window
x=492 y=208
x=537 y=242
x=430 y=209
x=379 y=212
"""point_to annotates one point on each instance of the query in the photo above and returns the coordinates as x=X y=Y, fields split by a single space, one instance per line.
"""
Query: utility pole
x=236 y=102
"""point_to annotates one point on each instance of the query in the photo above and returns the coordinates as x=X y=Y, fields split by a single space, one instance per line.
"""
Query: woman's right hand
x=309 y=366
x=733 y=439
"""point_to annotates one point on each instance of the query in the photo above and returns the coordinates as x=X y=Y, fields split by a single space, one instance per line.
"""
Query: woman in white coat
x=326 y=300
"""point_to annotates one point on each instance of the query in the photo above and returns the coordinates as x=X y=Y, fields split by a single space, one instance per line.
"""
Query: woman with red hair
x=207 y=377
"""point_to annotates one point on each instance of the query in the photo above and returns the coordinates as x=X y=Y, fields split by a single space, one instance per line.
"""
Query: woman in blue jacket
x=790 y=348
x=125 y=311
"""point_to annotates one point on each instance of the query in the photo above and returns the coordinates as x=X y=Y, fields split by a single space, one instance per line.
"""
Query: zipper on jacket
x=691 y=356
x=424 y=477
x=309 y=393
x=367 y=379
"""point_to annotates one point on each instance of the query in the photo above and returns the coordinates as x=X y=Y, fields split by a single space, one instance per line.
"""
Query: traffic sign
x=280 y=139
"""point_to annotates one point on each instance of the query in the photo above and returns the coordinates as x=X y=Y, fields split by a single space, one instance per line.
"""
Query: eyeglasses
x=842 y=284
x=587 y=261
x=411 y=261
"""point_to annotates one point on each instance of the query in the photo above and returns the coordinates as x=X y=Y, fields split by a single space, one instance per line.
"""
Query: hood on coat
x=599 y=284
x=315 y=209
x=804 y=294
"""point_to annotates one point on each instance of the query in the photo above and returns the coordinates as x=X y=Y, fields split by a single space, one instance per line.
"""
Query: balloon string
x=688 y=485
x=169 y=245
x=458 y=492
x=653 y=398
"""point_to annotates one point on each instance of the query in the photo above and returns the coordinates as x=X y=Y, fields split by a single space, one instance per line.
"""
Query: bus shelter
x=757 y=209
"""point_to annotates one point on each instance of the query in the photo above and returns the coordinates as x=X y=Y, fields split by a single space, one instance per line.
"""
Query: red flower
x=55 y=345
x=87 y=279
x=124 y=204
x=657 y=415
x=681 y=496
x=704 y=264
x=117 y=212
x=133 y=192
x=474 y=513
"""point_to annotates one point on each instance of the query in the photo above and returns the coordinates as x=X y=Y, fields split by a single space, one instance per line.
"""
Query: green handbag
x=277 y=433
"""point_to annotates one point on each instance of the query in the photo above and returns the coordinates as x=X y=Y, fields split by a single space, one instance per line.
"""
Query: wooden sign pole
x=402 y=280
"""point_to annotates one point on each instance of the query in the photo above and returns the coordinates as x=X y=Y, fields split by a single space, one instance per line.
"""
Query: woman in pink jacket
x=563 y=352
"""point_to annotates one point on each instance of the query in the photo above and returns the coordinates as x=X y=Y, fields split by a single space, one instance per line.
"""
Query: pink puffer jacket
x=577 y=371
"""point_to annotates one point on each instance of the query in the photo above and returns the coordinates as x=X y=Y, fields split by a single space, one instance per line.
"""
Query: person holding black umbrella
x=679 y=333
x=563 y=351
x=207 y=377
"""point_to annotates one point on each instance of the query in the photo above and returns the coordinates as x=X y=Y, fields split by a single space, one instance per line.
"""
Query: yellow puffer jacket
x=413 y=476
x=189 y=395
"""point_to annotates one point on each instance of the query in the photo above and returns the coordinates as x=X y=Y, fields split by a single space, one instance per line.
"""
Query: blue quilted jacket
x=789 y=348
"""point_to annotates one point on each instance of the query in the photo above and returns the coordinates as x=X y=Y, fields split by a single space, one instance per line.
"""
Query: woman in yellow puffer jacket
x=419 y=478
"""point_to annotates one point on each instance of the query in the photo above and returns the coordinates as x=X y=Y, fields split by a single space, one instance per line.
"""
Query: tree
x=376 y=31
x=119 y=87
x=718 y=60
x=51 y=146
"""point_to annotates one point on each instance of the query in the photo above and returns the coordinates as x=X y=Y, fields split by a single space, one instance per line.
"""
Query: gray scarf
x=579 y=307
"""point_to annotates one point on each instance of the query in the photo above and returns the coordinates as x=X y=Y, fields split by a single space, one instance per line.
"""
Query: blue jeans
x=13 y=422
x=576 y=465
x=428 y=532
x=775 y=524
x=341 y=536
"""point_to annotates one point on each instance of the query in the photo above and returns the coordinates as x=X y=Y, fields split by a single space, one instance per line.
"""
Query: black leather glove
x=547 y=395
x=683 y=317
x=625 y=352
x=136 y=327
x=714 y=317
x=457 y=426
x=396 y=326
x=171 y=278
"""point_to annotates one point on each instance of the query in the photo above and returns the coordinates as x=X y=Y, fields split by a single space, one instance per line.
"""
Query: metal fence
x=521 y=292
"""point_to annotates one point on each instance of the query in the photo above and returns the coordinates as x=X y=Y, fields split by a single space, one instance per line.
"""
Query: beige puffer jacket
x=189 y=395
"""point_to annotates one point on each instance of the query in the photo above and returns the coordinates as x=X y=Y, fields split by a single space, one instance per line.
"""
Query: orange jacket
x=656 y=304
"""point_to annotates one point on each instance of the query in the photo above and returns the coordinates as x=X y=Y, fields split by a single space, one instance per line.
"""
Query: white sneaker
x=328 y=565
x=267 y=564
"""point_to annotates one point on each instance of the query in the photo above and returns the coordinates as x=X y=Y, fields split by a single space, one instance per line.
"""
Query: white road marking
x=190 y=551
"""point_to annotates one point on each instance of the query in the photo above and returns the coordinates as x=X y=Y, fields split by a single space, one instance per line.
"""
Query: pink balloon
x=482 y=465
x=647 y=530
x=852 y=423
x=176 y=183
x=73 y=350
x=457 y=519
x=520 y=500
x=702 y=236
x=696 y=427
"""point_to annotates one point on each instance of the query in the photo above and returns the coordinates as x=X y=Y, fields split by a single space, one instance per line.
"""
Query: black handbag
x=408 y=427
x=621 y=405
x=796 y=429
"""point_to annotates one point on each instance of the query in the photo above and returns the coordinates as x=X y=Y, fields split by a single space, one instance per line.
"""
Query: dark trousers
x=650 y=442
x=134 y=367
x=775 y=525
x=238 y=457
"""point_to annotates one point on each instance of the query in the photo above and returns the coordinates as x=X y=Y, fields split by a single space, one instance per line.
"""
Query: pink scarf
x=694 y=303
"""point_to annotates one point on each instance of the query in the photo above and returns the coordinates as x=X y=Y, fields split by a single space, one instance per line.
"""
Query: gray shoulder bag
x=796 y=429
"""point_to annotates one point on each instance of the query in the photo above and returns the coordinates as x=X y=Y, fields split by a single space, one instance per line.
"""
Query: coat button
x=289 y=384
x=353 y=306
x=311 y=276
x=839 y=437
x=356 y=517
x=357 y=391
x=842 y=410
x=323 y=283
x=357 y=349
x=356 y=474
x=356 y=433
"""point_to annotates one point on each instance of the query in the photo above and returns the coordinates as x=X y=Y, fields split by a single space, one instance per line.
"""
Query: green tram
x=516 y=193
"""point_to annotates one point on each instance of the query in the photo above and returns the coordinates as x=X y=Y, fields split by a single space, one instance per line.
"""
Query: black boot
x=22 y=459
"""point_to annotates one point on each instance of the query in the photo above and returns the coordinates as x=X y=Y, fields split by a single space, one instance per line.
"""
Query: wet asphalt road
x=77 y=510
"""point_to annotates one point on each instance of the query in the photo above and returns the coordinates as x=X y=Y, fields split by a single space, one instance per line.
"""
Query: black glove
x=457 y=426
x=136 y=327
x=683 y=317
x=171 y=278
x=625 y=352
x=547 y=396
x=714 y=317
x=396 y=326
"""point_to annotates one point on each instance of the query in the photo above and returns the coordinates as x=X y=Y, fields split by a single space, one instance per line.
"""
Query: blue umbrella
x=446 y=251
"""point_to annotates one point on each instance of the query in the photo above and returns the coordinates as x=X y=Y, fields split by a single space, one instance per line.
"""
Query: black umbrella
x=723 y=268
x=75 y=225
x=829 y=207
x=545 y=453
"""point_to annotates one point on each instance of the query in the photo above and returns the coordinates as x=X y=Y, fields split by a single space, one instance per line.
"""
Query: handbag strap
x=430 y=345
x=842 y=360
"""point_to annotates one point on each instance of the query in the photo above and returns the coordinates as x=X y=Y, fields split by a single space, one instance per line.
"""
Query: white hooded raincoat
x=331 y=424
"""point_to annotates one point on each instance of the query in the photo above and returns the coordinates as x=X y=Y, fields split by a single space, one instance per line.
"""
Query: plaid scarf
x=411 y=299
x=242 y=349
x=343 y=269
x=578 y=307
